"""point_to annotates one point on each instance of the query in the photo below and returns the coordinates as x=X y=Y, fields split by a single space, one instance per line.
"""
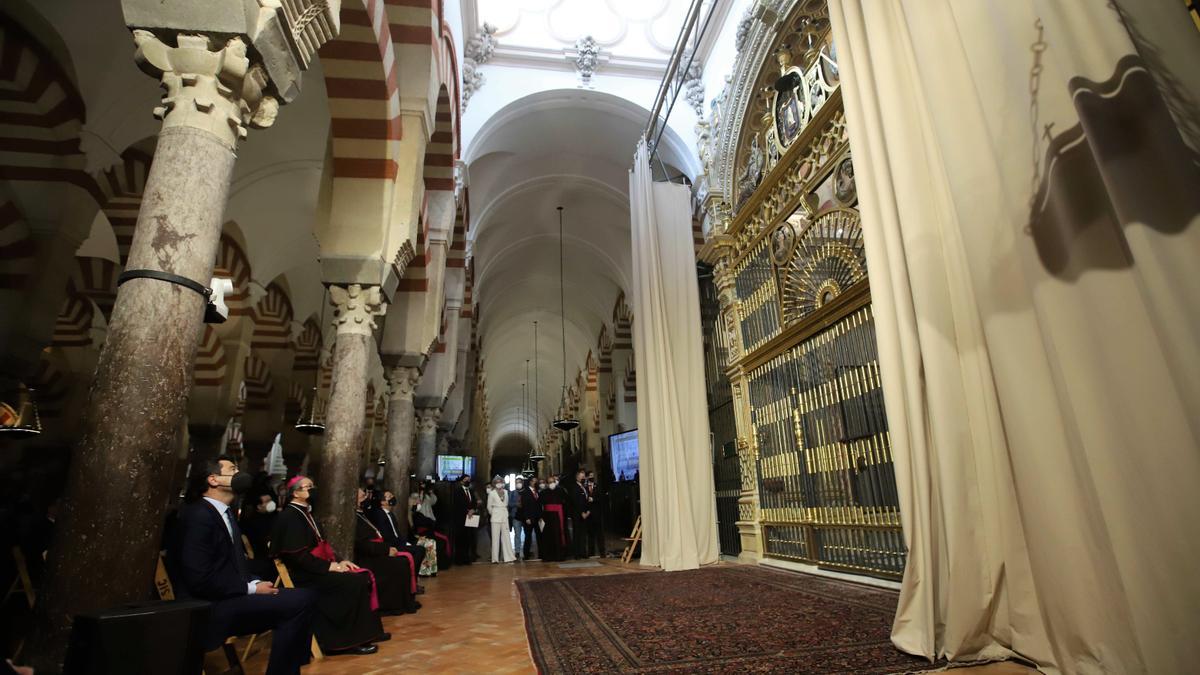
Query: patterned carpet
x=697 y=621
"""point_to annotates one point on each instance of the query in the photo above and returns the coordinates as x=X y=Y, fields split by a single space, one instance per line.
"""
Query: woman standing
x=497 y=506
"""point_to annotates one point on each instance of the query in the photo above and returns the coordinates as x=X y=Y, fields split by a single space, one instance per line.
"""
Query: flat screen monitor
x=451 y=467
x=623 y=449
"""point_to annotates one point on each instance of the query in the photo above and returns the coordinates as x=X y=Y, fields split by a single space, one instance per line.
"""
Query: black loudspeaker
x=163 y=637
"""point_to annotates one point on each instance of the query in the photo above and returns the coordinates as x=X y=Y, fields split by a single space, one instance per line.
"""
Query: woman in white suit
x=497 y=506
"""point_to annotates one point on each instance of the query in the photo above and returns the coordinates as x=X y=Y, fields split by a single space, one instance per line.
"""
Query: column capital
x=355 y=308
x=427 y=419
x=228 y=64
x=402 y=382
x=211 y=87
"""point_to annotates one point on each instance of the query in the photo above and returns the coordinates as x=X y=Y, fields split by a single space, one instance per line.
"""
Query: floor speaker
x=163 y=637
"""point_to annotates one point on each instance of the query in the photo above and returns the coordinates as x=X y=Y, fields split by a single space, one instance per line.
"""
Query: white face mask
x=553 y=485
x=498 y=486
x=270 y=507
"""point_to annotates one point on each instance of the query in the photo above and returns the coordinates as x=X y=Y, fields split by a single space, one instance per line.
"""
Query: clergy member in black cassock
x=395 y=572
x=343 y=619
x=552 y=543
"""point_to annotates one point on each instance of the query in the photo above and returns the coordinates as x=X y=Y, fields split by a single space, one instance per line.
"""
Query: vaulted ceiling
x=569 y=148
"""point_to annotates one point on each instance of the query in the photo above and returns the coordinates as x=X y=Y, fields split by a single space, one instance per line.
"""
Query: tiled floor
x=471 y=623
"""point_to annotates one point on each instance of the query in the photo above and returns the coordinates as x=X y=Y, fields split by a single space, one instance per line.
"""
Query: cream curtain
x=1030 y=198
x=679 y=519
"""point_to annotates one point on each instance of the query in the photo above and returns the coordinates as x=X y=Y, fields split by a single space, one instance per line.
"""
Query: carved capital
x=427 y=420
x=402 y=382
x=283 y=35
x=211 y=87
x=355 y=308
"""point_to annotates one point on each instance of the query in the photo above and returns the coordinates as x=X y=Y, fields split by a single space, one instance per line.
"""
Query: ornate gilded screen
x=812 y=423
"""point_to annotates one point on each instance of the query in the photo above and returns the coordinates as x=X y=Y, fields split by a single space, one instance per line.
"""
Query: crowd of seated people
x=338 y=596
x=221 y=545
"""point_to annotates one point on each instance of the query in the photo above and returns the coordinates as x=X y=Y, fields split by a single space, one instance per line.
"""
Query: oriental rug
x=728 y=619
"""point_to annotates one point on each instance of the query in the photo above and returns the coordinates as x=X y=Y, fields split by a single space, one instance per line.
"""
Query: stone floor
x=471 y=623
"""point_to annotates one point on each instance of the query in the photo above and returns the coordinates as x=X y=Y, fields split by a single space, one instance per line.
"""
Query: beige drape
x=1031 y=209
x=679 y=520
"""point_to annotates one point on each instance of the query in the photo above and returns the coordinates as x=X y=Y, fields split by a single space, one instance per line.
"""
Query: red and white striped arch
x=361 y=85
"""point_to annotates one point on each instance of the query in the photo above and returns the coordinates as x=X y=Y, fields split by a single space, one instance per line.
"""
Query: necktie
x=239 y=552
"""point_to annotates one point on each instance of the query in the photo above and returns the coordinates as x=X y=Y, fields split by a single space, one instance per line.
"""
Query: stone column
x=402 y=382
x=427 y=421
x=109 y=532
x=355 y=309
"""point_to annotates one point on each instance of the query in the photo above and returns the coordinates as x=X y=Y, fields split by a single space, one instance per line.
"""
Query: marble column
x=427 y=440
x=355 y=309
x=402 y=382
x=108 y=534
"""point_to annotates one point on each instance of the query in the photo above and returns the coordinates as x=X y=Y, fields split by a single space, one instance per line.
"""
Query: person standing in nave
x=465 y=504
x=579 y=510
x=497 y=506
x=553 y=539
x=343 y=620
x=395 y=571
x=595 y=522
x=210 y=562
x=514 y=525
x=529 y=512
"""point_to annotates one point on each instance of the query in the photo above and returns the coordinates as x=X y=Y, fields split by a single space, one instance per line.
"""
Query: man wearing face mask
x=395 y=568
x=210 y=564
x=553 y=539
x=257 y=521
x=465 y=504
x=580 y=512
x=529 y=512
x=343 y=617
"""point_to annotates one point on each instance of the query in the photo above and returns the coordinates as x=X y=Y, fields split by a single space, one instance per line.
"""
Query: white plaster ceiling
x=641 y=28
x=571 y=148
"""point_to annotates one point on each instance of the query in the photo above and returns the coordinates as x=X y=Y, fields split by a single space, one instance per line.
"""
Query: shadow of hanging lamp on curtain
x=23 y=420
x=566 y=423
x=312 y=416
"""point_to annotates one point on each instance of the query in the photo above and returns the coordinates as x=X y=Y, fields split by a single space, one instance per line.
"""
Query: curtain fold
x=1031 y=214
x=679 y=520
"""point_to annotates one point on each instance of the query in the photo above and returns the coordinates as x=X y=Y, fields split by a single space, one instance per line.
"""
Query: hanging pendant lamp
x=312 y=416
x=567 y=422
x=23 y=421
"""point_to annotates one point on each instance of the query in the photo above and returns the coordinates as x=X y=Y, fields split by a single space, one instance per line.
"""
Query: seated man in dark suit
x=210 y=563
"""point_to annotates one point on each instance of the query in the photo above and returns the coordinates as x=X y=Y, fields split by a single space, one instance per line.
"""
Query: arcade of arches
x=935 y=295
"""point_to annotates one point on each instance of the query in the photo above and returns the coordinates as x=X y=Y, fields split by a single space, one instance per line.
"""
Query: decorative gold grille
x=754 y=281
x=828 y=258
x=827 y=487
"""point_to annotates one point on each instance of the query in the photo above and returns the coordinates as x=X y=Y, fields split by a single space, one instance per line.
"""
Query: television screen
x=623 y=449
x=451 y=467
